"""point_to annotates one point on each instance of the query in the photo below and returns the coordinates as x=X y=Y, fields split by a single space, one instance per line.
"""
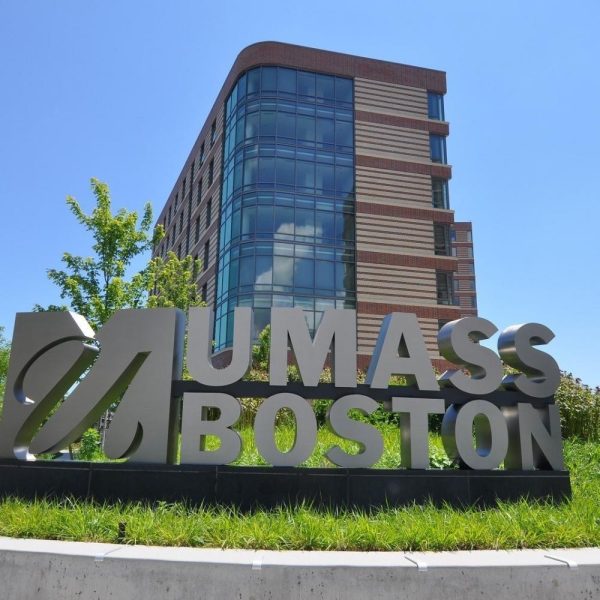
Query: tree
x=4 y=357
x=172 y=282
x=96 y=286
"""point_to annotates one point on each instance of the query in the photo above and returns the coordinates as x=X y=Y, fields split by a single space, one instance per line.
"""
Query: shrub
x=89 y=447
x=579 y=409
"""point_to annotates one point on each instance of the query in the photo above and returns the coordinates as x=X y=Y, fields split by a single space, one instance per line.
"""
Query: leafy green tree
x=4 y=357
x=171 y=282
x=260 y=351
x=96 y=286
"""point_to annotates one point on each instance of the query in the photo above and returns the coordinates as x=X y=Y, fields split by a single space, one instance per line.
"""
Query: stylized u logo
x=139 y=356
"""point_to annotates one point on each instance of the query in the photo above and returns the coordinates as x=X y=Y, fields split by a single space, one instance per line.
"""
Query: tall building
x=320 y=180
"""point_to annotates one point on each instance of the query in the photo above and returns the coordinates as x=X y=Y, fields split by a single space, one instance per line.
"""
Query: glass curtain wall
x=287 y=233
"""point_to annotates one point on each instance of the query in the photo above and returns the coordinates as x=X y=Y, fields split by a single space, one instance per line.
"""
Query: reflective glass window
x=283 y=270
x=286 y=80
x=325 y=88
x=268 y=79
x=304 y=273
x=266 y=170
x=283 y=222
x=435 y=103
x=250 y=171
x=305 y=129
x=439 y=193
x=286 y=125
x=343 y=90
x=437 y=145
x=252 y=120
x=284 y=171
x=264 y=219
x=343 y=133
x=286 y=234
x=325 y=134
x=306 y=84
x=267 y=122
x=264 y=270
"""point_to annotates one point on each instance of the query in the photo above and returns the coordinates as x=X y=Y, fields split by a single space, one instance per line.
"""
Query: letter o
x=306 y=430
x=491 y=434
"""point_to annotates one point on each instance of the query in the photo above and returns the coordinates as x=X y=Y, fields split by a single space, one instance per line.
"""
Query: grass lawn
x=509 y=525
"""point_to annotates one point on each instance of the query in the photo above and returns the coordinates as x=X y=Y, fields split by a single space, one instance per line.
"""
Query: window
x=183 y=188
x=213 y=132
x=199 y=191
x=206 y=253
x=441 y=239
x=197 y=234
x=437 y=146
x=181 y=220
x=169 y=219
x=444 y=285
x=203 y=293
x=208 y=212
x=439 y=193
x=201 y=157
x=435 y=104
x=287 y=210
x=174 y=229
x=179 y=251
x=211 y=171
x=176 y=200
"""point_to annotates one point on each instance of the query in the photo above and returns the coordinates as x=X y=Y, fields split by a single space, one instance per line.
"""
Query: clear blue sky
x=119 y=90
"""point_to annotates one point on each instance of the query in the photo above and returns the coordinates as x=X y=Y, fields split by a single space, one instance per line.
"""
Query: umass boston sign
x=501 y=431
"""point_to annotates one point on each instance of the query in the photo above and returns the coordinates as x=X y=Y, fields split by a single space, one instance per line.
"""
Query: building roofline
x=311 y=59
x=315 y=59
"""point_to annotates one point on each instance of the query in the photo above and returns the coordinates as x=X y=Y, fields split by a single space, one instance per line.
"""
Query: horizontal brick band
x=400 y=121
x=463 y=226
x=389 y=164
x=404 y=212
x=324 y=61
x=425 y=312
x=439 y=364
x=445 y=263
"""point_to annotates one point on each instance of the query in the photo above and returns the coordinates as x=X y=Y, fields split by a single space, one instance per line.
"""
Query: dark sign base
x=267 y=487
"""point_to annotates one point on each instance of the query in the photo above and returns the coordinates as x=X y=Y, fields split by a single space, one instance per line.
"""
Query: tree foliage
x=97 y=286
x=260 y=351
x=171 y=282
x=579 y=408
x=4 y=357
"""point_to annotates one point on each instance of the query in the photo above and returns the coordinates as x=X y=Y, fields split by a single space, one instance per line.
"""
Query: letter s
x=540 y=375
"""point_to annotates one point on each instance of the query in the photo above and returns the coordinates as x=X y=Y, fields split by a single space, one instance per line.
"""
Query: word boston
x=62 y=377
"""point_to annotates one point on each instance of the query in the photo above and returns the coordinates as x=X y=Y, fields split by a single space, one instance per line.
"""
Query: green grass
x=509 y=525
x=284 y=437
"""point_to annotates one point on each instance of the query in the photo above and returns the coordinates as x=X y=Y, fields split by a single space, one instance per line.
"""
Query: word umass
x=136 y=360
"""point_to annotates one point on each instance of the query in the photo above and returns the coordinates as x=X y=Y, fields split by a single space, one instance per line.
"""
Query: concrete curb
x=44 y=569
